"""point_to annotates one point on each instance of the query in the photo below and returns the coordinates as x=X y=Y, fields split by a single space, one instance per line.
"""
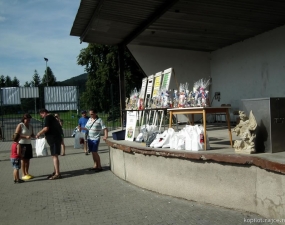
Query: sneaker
x=27 y=177
x=30 y=176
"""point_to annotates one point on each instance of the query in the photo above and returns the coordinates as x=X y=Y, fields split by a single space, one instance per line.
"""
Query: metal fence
x=70 y=119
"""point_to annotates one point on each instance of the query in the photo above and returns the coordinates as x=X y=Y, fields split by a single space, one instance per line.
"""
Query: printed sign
x=166 y=78
x=131 y=125
x=148 y=90
x=143 y=88
x=156 y=86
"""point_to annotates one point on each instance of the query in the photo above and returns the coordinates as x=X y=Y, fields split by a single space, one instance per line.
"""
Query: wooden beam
x=93 y=18
x=156 y=15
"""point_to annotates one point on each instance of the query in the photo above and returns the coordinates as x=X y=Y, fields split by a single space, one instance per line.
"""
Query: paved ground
x=84 y=197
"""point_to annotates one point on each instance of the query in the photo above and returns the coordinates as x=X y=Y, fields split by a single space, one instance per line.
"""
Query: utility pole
x=46 y=59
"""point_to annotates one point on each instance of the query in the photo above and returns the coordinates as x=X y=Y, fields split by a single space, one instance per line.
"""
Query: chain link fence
x=9 y=122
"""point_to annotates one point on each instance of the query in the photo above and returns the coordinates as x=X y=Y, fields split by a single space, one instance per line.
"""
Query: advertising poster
x=131 y=125
x=143 y=88
x=156 y=87
x=166 y=79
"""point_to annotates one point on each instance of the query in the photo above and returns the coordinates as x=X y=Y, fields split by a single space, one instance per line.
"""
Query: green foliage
x=2 y=81
x=79 y=81
x=27 y=84
x=102 y=86
x=36 y=79
x=8 y=82
x=15 y=82
x=49 y=78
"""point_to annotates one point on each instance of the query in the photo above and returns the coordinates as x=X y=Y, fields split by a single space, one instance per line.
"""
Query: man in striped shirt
x=94 y=126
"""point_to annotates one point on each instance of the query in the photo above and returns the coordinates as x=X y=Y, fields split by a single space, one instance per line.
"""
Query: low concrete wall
x=244 y=187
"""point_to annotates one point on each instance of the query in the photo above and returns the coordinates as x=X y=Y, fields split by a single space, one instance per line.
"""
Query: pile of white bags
x=190 y=138
x=146 y=131
x=161 y=140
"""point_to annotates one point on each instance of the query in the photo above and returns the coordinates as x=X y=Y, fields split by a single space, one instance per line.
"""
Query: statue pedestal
x=270 y=117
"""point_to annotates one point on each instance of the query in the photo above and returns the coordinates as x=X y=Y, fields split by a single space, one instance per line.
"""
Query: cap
x=84 y=111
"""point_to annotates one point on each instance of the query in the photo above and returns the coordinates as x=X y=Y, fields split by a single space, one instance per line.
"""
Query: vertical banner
x=156 y=85
x=143 y=88
x=166 y=78
x=131 y=125
x=149 y=90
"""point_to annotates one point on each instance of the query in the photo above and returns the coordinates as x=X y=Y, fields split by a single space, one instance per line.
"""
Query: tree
x=36 y=80
x=8 y=81
x=101 y=64
x=2 y=81
x=27 y=84
x=15 y=82
x=49 y=78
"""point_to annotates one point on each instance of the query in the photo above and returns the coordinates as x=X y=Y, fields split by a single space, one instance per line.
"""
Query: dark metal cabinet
x=270 y=117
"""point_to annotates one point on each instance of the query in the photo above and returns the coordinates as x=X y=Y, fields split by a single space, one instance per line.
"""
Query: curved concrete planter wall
x=231 y=185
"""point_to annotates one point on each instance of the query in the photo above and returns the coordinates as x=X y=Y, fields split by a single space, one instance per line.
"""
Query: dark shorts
x=54 y=144
x=26 y=151
x=93 y=145
x=16 y=163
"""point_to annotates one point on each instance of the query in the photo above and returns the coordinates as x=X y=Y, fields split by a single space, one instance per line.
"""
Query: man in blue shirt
x=81 y=123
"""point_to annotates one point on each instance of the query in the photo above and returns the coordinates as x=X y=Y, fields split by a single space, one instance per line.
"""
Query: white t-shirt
x=26 y=131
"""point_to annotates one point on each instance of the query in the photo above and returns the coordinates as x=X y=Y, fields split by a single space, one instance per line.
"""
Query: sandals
x=55 y=177
x=95 y=169
x=51 y=175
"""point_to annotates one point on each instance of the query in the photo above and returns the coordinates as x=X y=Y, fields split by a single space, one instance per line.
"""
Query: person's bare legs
x=56 y=164
x=16 y=175
x=62 y=147
x=96 y=159
x=27 y=165
x=85 y=146
x=24 y=167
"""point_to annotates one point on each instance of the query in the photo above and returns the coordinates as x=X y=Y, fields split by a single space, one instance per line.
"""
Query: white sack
x=77 y=138
x=41 y=147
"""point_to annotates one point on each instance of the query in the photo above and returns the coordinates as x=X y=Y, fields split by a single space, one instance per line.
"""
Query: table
x=204 y=111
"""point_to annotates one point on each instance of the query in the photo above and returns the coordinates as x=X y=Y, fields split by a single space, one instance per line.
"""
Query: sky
x=33 y=29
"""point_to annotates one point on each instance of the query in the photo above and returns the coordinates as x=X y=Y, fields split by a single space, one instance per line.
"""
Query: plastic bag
x=173 y=140
x=150 y=139
x=207 y=138
x=41 y=147
x=198 y=139
x=170 y=132
x=160 y=140
x=139 y=137
x=79 y=136
x=188 y=137
x=181 y=140
x=74 y=132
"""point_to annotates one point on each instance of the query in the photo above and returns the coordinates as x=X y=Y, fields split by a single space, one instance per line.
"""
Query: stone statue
x=246 y=130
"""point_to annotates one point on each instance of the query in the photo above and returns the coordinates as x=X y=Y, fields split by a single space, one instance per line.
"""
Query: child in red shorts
x=16 y=157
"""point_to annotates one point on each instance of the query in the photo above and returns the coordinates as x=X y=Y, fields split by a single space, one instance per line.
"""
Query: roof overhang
x=202 y=25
